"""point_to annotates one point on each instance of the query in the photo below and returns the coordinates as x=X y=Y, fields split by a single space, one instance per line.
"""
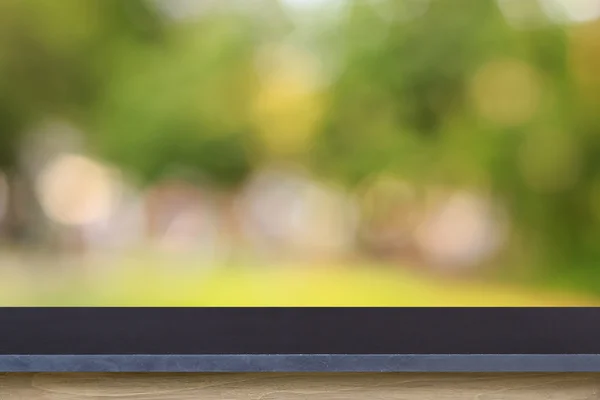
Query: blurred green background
x=300 y=152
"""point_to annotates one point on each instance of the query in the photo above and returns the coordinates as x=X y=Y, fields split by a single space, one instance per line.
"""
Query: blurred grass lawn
x=139 y=285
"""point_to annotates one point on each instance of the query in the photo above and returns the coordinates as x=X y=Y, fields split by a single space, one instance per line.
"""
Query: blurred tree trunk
x=14 y=227
x=24 y=224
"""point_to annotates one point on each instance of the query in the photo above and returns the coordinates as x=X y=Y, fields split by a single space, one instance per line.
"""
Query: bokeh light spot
x=462 y=231
x=506 y=92
x=572 y=11
x=76 y=190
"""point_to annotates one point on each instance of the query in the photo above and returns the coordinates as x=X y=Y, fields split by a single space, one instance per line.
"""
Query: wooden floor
x=299 y=386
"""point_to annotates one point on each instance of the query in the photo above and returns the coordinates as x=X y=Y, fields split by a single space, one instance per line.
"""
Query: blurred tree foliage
x=438 y=92
x=458 y=96
x=182 y=104
x=53 y=58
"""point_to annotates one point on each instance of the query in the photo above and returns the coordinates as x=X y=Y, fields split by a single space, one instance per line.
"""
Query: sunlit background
x=300 y=152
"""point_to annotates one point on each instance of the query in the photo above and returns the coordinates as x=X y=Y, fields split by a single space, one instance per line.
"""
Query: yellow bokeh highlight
x=289 y=106
x=507 y=92
x=584 y=58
